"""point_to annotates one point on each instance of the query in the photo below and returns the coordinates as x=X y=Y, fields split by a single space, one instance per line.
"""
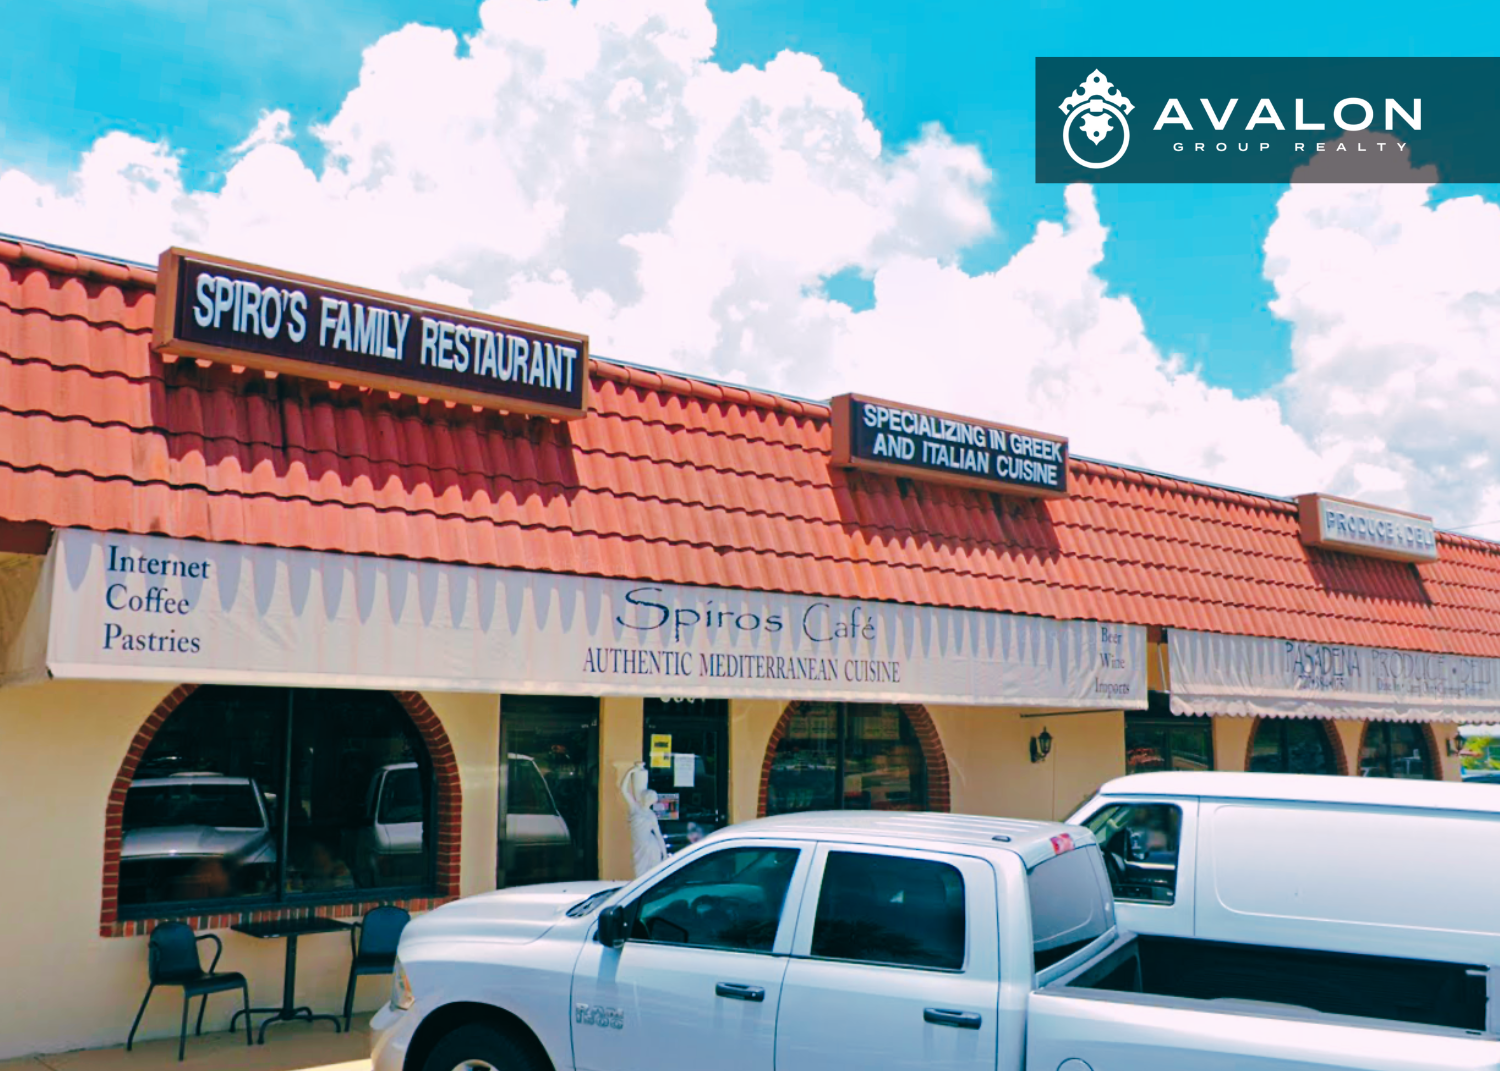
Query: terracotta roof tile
x=668 y=479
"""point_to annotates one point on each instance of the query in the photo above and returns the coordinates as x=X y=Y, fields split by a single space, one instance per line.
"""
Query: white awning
x=1257 y=677
x=119 y=607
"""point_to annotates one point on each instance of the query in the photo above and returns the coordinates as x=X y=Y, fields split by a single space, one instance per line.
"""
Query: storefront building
x=284 y=633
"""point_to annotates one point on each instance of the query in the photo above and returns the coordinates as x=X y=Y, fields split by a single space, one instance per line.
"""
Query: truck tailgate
x=1136 y=1032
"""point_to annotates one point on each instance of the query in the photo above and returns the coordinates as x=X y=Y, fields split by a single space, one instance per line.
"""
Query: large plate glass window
x=275 y=794
x=1396 y=749
x=549 y=789
x=1158 y=740
x=687 y=757
x=1292 y=745
x=853 y=756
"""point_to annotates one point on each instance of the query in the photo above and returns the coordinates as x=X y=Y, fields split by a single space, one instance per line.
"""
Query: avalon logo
x=1096 y=100
x=1266 y=119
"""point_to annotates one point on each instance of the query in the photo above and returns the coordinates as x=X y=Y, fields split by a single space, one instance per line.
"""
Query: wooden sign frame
x=168 y=306
x=1309 y=513
x=843 y=453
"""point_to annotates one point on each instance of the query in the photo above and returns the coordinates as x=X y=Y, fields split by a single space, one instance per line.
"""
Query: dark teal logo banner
x=1137 y=119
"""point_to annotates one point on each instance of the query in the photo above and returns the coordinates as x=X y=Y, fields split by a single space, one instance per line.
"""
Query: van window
x=1140 y=843
x=891 y=910
x=1070 y=905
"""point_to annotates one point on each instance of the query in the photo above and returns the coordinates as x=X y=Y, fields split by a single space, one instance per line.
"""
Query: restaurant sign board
x=1339 y=524
x=904 y=440
x=221 y=310
x=132 y=607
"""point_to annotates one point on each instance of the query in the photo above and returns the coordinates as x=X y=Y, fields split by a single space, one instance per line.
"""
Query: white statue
x=647 y=846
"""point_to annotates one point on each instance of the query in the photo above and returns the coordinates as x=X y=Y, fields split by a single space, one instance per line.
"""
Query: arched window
x=249 y=796
x=1397 y=749
x=836 y=756
x=1292 y=745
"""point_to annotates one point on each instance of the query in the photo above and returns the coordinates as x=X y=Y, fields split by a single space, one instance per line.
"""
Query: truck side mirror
x=611 y=932
x=1137 y=846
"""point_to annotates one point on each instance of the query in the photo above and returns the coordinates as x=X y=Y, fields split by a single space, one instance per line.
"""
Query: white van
x=390 y=843
x=1403 y=869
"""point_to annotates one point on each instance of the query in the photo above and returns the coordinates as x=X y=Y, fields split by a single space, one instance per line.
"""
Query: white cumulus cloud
x=1394 y=302
x=591 y=166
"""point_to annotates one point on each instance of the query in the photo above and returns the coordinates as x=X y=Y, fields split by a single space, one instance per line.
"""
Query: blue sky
x=198 y=75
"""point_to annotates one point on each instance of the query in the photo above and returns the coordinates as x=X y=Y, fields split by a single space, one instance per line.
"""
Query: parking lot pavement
x=288 y=1047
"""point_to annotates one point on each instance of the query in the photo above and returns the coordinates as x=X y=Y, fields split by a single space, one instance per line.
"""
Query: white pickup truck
x=892 y=941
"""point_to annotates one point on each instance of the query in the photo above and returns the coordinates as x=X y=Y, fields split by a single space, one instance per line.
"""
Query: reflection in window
x=891 y=910
x=549 y=822
x=1291 y=745
x=215 y=797
x=730 y=899
x=1395 y=749
x=1168 y=742
x=847 y=756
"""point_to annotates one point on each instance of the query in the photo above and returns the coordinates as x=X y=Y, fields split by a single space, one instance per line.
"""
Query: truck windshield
x=224 y=806
x=401 y=798
x=526 y=791
x=1070 y=905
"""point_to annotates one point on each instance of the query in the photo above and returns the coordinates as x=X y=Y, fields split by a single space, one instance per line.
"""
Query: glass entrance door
x=687 y=756
x=549 y=790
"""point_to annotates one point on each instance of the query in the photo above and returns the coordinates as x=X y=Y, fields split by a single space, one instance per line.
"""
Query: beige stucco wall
x=1450 y=765
x=621 y=725
x=989 y=759
x=1231 y=742
x=751 y=722
x=61 y=744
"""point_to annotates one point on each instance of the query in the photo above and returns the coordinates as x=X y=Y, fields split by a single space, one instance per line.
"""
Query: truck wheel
x=480 y=1047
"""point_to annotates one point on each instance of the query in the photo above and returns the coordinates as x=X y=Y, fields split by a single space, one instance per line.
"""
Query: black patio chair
x=173 y=960
x=373 y=941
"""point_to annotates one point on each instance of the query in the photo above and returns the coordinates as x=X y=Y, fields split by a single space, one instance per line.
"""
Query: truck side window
x=730 y=899
x=1140 y=843
x=1070 y=908
x=890 y=910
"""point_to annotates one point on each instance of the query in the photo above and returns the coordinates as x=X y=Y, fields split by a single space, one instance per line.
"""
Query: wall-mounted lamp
x=1041 y=746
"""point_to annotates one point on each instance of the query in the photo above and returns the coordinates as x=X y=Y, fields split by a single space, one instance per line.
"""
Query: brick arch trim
x=1330 y=733
x=939 y=785
x=449 y=834
x=1432 y=761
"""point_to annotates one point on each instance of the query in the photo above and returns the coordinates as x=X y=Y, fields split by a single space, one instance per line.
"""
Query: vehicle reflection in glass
x=195 y=837
x=538 y=846
x=388 y=851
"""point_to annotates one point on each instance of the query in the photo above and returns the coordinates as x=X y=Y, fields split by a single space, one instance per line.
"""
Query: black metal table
x=291 y=929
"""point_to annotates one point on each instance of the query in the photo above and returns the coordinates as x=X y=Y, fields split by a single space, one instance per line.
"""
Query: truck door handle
x=943 y=1017
x=735 y=991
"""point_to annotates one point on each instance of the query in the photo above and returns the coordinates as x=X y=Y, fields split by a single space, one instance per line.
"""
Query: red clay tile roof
x=668 y=479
